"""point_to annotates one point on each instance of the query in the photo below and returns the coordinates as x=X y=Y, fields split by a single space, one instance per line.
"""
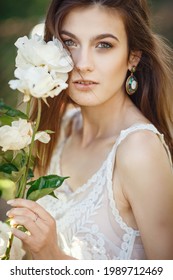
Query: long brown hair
x=154 y=72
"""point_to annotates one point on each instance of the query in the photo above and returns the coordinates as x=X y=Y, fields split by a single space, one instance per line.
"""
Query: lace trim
x=85 y=208
x=127 y=246
x=130 y=233
x=129 y=230
x=78 y=222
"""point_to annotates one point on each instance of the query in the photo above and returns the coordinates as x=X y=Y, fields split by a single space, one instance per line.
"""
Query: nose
x=83 y=61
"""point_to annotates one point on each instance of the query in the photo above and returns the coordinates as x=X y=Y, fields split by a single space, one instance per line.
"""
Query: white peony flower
x=41 y=67
x=19 y=135
x=42 y=136
x=38 y=82
x=15 y=137
x=17 y=251
x=38 y=29
x=36 y=52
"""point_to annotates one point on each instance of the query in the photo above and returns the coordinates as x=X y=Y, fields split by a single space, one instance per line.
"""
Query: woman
x=118 y=201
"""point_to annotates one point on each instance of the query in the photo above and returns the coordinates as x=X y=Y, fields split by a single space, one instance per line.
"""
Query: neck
x=105 y=120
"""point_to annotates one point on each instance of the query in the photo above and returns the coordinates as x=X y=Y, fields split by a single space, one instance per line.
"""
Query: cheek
x=117 y=71
x=114 y=76
x=116 y=64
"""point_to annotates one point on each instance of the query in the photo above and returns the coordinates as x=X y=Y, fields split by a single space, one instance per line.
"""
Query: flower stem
x=22 y=185
x=6 y=255
x=28 y=109
x=25 y=176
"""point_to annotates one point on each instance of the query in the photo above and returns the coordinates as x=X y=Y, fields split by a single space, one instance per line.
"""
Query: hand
x=42 y=238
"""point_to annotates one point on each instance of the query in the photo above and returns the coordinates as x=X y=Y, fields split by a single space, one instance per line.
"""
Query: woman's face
x=97 y=40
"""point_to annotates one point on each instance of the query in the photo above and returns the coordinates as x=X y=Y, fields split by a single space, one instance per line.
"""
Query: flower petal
x=42 y=136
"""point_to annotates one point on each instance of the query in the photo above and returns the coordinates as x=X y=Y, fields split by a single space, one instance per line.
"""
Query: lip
x=84 y=84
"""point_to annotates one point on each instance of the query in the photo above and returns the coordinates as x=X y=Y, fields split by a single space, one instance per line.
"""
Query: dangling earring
x=132 y=83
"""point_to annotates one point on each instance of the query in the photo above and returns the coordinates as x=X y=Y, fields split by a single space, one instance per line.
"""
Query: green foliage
x=13 y=165
x=43 y=186
x=7 y=110
x=8 y=114
x=23 y=9
x=8 y=168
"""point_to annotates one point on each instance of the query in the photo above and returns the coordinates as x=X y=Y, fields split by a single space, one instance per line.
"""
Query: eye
x=69 y=43
x=104 y=45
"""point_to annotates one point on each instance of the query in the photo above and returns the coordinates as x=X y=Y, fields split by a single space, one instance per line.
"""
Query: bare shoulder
x=143 y=165
x=141 y=148
x=146 y=178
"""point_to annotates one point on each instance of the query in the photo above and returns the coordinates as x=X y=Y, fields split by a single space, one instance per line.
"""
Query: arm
x=42 y=240
x=147 y=180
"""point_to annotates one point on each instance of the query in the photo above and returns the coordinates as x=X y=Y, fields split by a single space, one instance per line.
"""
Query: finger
x=27 y=221
x=36 y=237
x=31 y=205
x=28 y=240
x=21 y=212
x=21 y=235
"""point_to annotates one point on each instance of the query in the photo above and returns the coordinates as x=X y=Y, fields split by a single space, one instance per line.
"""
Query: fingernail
x=9 y=215
x=10 y=201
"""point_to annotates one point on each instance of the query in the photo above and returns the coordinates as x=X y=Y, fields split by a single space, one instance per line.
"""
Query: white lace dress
x=88 y=222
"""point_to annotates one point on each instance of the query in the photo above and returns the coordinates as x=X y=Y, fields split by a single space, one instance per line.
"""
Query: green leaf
x=43 y=186
x=20 y=159
x=49 y=131
x=7 y=221
x=52 y=194
x=6 y=156
x=8 y=168
x=5 y=176
x=6 y=120
x=9 y=111
x=16 y=176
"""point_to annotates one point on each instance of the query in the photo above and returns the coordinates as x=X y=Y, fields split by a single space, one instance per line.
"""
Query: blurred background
x=17 y=18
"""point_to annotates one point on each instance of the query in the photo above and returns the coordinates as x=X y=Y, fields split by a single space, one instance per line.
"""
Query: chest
x=81 y=163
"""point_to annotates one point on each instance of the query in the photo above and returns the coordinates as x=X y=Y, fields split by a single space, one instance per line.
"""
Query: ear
x=134 y=59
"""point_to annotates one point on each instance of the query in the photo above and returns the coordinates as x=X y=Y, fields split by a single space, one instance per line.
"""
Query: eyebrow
x=98 y=37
